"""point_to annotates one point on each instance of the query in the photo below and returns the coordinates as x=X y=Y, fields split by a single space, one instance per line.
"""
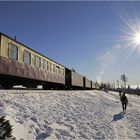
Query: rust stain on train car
x=14 y=68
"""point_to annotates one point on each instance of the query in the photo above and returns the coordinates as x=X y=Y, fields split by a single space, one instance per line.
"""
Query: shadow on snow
x=118 y=116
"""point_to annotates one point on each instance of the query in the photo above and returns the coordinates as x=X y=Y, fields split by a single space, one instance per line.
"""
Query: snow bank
x=38 y=114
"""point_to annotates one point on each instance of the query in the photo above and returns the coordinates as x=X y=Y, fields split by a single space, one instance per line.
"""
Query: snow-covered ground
x=39 y=114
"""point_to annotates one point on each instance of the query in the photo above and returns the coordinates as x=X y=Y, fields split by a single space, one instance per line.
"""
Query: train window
x=45 y=65
x=54 y=68
x=57 y=69
x=50 y=67
x=27 y=57
x=13 y=51
x=63 y=72
x=37 y=61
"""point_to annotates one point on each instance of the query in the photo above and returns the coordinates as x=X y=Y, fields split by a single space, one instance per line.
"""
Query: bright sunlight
x=137 y=38
x=132 y=35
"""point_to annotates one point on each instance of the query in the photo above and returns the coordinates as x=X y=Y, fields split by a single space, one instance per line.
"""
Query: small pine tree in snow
x=5 y=129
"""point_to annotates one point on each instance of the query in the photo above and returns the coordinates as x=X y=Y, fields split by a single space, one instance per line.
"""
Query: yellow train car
x=21 y=65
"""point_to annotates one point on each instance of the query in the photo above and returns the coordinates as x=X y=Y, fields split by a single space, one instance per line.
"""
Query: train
x=21 y=65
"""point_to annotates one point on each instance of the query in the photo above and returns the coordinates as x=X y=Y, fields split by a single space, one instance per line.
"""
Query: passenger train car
x=21 y=65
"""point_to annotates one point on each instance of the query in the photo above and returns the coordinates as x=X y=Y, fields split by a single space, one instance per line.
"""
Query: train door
x=67 y=78
x=84 y=82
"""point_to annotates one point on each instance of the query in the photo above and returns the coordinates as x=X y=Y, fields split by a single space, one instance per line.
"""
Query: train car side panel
x=93 y=85
x=16 y=67
x=21 y=64
x=0 y=44
x=88 y=83
x=77 y=79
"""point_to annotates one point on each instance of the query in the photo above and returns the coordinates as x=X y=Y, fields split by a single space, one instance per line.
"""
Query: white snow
x=39 y=114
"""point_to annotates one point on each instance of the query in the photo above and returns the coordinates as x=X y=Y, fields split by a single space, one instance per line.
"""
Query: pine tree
x=124 y=80
x=5 y=129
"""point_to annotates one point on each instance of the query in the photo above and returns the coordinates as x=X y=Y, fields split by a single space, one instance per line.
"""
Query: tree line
x=121 y=86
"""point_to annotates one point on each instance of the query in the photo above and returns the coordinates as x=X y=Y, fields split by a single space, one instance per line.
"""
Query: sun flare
x=130 y=38
x=131 y=35
x=137 y=38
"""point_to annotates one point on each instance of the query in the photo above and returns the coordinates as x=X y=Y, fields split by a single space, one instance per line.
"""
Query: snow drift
x=39 y=114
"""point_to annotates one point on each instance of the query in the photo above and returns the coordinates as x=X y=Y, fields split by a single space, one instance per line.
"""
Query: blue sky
x=86 y=36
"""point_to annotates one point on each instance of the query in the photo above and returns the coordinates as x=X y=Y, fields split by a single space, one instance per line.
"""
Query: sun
x=131 y=35
x=137 y=38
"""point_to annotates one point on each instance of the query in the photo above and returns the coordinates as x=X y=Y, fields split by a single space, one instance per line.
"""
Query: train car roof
x=31 y=49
